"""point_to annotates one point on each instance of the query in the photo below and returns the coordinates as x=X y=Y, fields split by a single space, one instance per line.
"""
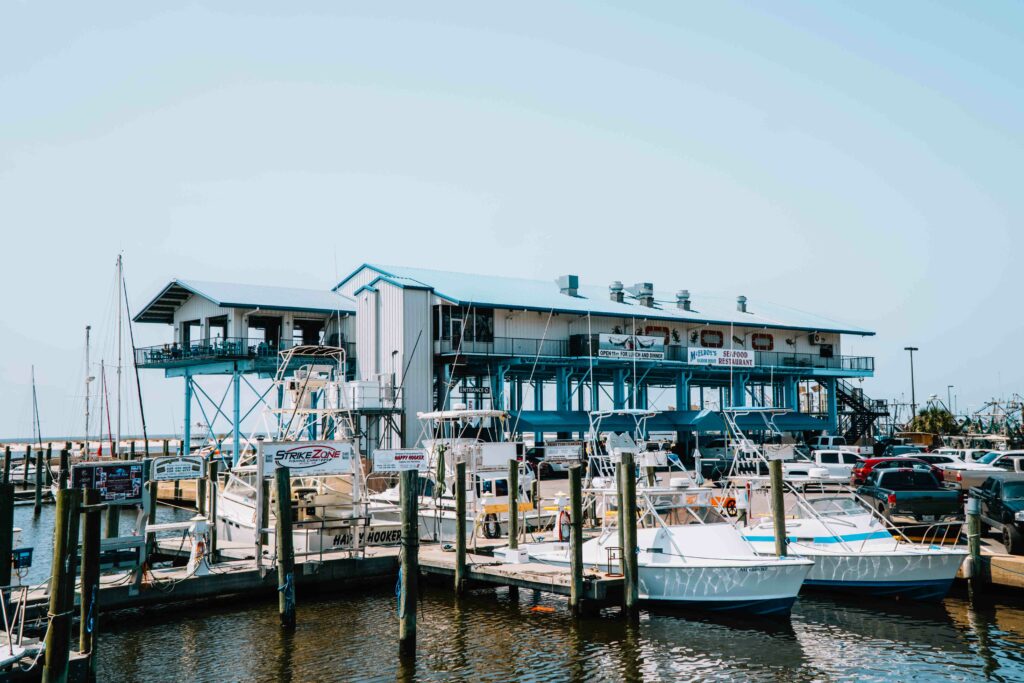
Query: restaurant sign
x=631 y=346
x=736 y=358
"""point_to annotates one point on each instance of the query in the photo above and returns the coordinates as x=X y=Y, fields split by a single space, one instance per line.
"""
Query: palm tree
x=934 y=420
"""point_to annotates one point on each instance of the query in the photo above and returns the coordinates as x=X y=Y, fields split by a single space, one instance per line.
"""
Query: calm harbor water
x=486 y=636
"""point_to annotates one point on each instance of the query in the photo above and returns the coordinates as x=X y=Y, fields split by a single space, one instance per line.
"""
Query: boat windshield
x=837 y=506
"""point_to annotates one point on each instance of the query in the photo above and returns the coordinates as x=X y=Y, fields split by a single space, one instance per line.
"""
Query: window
x=830 y=458
x=761 y=341
x=457 y=324
x=851 y=458
x=712 y=339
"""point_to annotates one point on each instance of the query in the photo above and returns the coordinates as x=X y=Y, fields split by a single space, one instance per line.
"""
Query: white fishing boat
x=698 y=561
x=470 y=436
x=853 y=548
x=314 y=436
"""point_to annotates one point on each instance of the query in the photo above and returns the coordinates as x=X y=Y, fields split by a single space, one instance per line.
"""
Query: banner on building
x=736 y=358
x=400 y=459
x=310 y=457
x=630 y=346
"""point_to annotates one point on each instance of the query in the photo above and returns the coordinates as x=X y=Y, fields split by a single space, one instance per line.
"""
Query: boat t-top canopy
x=462 y=415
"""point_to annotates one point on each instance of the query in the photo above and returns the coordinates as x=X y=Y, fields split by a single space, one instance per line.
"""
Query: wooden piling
x=976 y=577
x=265 y=512
x=652 y=479
x=24 y=471
x=460 y=526
x=409 y=564
x=285 y=549
x=201 y=495
x=7 y=465
x=167 y=448
x=38 y=503
x=6 y=532
x=62 y=587
x=627 y=520
x=211 y=469
x=65 y=468
x=576 y=538
x=49 y=464
x=513 y=504
x=150 y=491
x=113 y=528
x=778 y=506
x=90 y=588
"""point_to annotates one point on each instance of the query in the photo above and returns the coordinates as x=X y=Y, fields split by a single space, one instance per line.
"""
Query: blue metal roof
x=508 y=292
x=235 y=295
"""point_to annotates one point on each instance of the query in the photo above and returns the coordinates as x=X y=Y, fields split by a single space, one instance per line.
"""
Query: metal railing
x=226 y=348
x=562 y=348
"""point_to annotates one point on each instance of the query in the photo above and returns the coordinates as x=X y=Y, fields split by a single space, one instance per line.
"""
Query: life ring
x=564 y=525
x=492 y=527
x=730 y=507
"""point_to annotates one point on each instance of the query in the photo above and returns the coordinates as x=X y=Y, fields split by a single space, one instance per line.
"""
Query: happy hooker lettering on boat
x=312 y=457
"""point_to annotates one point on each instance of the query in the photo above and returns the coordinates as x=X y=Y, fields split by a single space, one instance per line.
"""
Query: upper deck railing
x=222 y=348
x=560 y=348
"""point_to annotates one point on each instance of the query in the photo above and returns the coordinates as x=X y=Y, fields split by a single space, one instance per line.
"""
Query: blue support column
x=538 y=405
x=236 y=391
x=595 y=394
x=833 y=405
x=619 y=389
x=311 y=428
x=563 y=390
x=683 y=391
x=792 y=397
x=186 y=439
x=498 y=395
x=447 y=388
x=739 y=390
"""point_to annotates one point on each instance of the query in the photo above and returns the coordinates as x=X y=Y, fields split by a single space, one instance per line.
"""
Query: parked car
x=839 y=464
x=970 y=475
x=940 y=460
x=894 y=451
x=963 y=454
x=909 y=492
x=866 y=466
x=1001 y=497
x=553 y=457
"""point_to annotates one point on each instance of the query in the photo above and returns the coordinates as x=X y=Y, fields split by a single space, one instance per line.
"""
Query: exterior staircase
x=859 y=412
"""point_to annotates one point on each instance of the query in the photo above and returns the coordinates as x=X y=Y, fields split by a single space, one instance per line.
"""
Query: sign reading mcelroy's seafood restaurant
x=310 y=457
x=737 y=358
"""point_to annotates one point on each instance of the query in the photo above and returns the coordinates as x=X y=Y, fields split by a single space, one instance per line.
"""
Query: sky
x=859 y=160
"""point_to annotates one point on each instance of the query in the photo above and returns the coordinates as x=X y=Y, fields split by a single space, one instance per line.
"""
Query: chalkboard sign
x=119 y=483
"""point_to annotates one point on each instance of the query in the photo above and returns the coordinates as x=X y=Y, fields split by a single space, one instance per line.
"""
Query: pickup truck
x=838 y=464
x=966 y=476
x=1001 y=497
x=909 y=493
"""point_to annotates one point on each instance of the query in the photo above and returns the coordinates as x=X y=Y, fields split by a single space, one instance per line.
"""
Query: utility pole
x=913 y=391
x=949 y=399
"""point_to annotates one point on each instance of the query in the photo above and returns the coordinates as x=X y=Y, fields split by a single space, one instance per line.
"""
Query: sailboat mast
x=120 y=315
x=88 y=380
x=38 y=432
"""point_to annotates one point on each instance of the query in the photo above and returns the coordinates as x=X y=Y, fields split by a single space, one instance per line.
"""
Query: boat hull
x=925 y=576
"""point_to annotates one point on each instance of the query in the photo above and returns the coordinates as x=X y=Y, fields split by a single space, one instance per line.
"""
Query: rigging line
x=533 y=369
x=135 y=362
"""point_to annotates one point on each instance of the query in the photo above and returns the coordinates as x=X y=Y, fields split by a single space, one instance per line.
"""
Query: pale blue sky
x=858 y=160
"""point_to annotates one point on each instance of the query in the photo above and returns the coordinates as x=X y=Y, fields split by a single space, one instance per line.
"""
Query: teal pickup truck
x=910 y=493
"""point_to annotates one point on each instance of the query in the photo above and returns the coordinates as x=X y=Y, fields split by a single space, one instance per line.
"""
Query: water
x=486 y=636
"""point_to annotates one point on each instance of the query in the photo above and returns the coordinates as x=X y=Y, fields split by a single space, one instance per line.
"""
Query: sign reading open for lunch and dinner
x=399 y=459
x=310 y=457
x=631 y=346
x=178 y=467
x=736 y=358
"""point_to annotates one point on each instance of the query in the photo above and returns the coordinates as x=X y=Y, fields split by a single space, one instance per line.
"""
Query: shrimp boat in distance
x=330 y=509
x=470 y=436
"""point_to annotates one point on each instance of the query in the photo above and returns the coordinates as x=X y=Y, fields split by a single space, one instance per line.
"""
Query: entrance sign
x=118 y=483
x=310 y=457
x=736 y=358
x=630 y=346
x=400 y=459
x=178 y=467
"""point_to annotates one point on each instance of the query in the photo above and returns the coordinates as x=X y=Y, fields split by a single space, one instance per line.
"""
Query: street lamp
x=949 y=398
x=913 y=396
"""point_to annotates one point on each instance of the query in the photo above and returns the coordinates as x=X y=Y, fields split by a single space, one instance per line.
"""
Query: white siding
x=417 y=355
x=366 y=334
x=364 y=277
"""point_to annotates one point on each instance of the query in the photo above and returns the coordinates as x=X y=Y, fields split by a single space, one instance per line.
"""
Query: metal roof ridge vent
x=569 y=285
x=741 y=303
x=644 y=293
x=683 y=299
x=615 y=291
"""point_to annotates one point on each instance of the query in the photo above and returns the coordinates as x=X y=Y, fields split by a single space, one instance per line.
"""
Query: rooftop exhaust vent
x=569 y=285
x=644 y=293
x=741 y=304
x=683 y=299
x=615 y=291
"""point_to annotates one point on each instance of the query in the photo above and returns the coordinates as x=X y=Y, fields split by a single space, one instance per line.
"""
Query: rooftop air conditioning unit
x=818 y=338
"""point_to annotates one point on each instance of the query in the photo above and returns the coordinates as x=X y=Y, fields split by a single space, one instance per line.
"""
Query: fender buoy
x=564 y=525
x=492 y=527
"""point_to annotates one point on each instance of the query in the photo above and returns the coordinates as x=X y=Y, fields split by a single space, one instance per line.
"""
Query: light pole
x=913 y=395
x=949 y=399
